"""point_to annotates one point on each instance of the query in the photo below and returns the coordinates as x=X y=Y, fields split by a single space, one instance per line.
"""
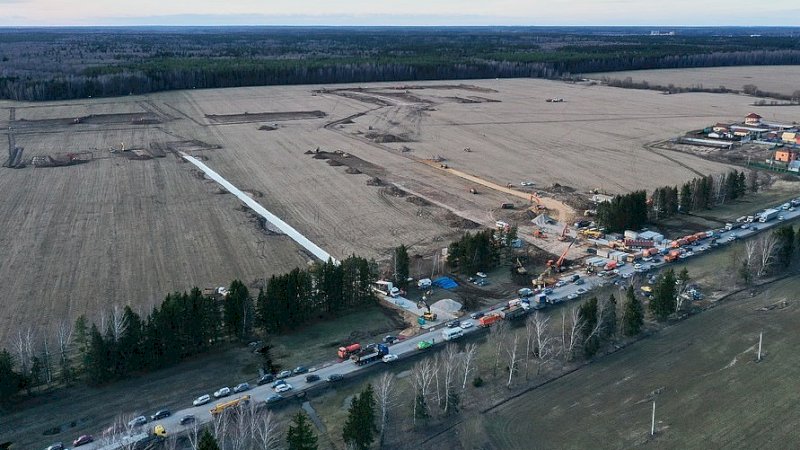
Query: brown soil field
x=779 y=79
x=124 y=228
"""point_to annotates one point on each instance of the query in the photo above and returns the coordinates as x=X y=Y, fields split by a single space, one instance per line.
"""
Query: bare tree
x=767 y=244
x=119 y=323
x=467 y=362
x=422 y=375
x=570 y=332
x=544 y=340
x=193 y=436
x=750 y=260
x=23 y=347
x=450 y=363
x=267 y=433
x=497 y=339
x=530 y=341
x=511 y=352
x=384 y=393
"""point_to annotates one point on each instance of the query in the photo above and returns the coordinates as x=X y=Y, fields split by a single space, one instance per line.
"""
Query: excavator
x=520 y=268
x=545 y=278
x=539 y=206
x=564 y=236
x=427 y=315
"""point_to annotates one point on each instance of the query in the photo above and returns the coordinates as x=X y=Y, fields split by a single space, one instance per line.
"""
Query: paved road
x=408 y=347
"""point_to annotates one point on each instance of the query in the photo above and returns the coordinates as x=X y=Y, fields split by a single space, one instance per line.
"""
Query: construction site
x=115 y=215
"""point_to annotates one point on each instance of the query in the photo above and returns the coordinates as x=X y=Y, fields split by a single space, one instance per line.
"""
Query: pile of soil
x=334 y=163
x=394 y=191
x=374 y=181
x=350 y=170
x=417 y=201
x=383 y=138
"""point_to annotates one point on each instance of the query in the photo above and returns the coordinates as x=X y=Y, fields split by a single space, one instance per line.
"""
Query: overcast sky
x=400 y=12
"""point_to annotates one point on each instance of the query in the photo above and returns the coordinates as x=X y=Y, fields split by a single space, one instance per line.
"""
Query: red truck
x=672 y=255
x=345 y=352
x=488 y=319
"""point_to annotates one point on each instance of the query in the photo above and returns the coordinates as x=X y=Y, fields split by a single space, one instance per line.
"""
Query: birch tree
x=767 y=245
x=385 y=395
x=512 y=353
x=422 y=375
x=570 y=332
x=497 y=338
x=64 y=335
x=266 y=432
x=450 y=364
x=543 y=338
x=467 y=362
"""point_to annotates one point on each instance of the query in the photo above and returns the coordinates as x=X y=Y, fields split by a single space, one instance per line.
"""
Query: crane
x=563 y=236
x=553 y=265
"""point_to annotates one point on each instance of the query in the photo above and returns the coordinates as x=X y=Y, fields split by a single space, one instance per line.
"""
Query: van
x=507 y=205
x=452 y=333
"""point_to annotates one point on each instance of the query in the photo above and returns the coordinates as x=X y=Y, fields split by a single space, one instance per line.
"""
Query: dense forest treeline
x=125 y=342
x=51 y=64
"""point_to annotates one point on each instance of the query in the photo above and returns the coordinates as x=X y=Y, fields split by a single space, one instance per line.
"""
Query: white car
x=283 y=388
x=202 y=400
x=466 y=324
x=224 y=392
x=526 y=183
x=561 y=283
x=781 y=218
x=626 y=275
x=637 y=266
x=572 y=296
x=481 y=275
x=731 y=238
x=137 y=422
x=389 y=358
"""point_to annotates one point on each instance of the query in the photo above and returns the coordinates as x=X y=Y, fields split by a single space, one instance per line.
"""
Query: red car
x=82 y=440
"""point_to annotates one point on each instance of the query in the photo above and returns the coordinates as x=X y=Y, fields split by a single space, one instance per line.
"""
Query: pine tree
x=238 y=310
x=588 y=315
x=610 y=317
x=786 y=237
x=401 y=266
x=207 y=441
x=634 y=314
x=300 y=436
x=741 y=185
x=685 y=203
x=663 y=302
x=10 y=380
x=359 y=430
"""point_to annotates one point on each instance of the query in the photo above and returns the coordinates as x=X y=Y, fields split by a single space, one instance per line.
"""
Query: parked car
x=202 y=400
x=561 y=283
x=137 y=421
x=637 y=266
x=312 y=378
x=283 y=388
x=476 y=315
x=467 y=324
x=224 y=392
x=278 y=383
x=581 y=291
x=453 y=324
x=578 y=281
x=572 y=296
x=82 y=440
x=241 y=387
x=300 y=370
x=389 y=339
x=56 y=446
x=285 y=374
x=160 y=414
x=480 y=275
x=526 y=183
x=626 y=275
x=266 y=378
x=187 y=419
x=781 y=218
x=274 y=398
x=389 y=358
x=335 y=377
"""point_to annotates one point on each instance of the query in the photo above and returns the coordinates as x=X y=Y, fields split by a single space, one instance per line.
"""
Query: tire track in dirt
x=652 y=148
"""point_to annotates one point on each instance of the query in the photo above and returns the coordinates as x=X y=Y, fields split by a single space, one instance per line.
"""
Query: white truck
x=768 y=215
x=386 y=288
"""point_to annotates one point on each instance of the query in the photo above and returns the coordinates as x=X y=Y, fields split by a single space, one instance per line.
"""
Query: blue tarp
x=445 y=282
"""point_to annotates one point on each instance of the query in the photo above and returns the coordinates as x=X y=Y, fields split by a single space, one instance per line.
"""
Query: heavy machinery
x=370 y=353
x=220 y=408
x=537 y=233
x=521 y=270
x=539 y=206
x=592 y=233
x=564 y=236
x=545 y=277
x=345 y=352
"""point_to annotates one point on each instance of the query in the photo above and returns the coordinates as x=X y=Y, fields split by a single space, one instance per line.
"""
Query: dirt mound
x=394 y=191
x=247 y=117
x=374 y=181
x=417 y=200
x=559 y=189
x=267 y=128
x=383 y=138
x=320 y=156
x=352 y=171
x=333 y=162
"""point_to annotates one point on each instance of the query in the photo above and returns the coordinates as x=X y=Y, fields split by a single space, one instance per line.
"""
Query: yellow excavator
x=546 y=278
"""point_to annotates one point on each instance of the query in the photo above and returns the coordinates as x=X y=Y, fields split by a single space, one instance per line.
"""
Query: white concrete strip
x=260 y=210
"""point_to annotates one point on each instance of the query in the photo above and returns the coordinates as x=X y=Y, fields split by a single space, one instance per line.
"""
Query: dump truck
x=672 y=256
x=370 y=353
x=513 y=313
x=488 y=320
x=345 y=352
x=220 y=408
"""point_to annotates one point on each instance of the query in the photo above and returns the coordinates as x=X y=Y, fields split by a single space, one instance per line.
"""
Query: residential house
x=785 y=155
x=752 y=119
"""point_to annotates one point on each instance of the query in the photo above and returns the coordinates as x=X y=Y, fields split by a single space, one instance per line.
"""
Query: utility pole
x=653 y=420
x=760 y=339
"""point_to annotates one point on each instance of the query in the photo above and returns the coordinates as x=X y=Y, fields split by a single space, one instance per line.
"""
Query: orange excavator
x=564 y=236
x=545 y=278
